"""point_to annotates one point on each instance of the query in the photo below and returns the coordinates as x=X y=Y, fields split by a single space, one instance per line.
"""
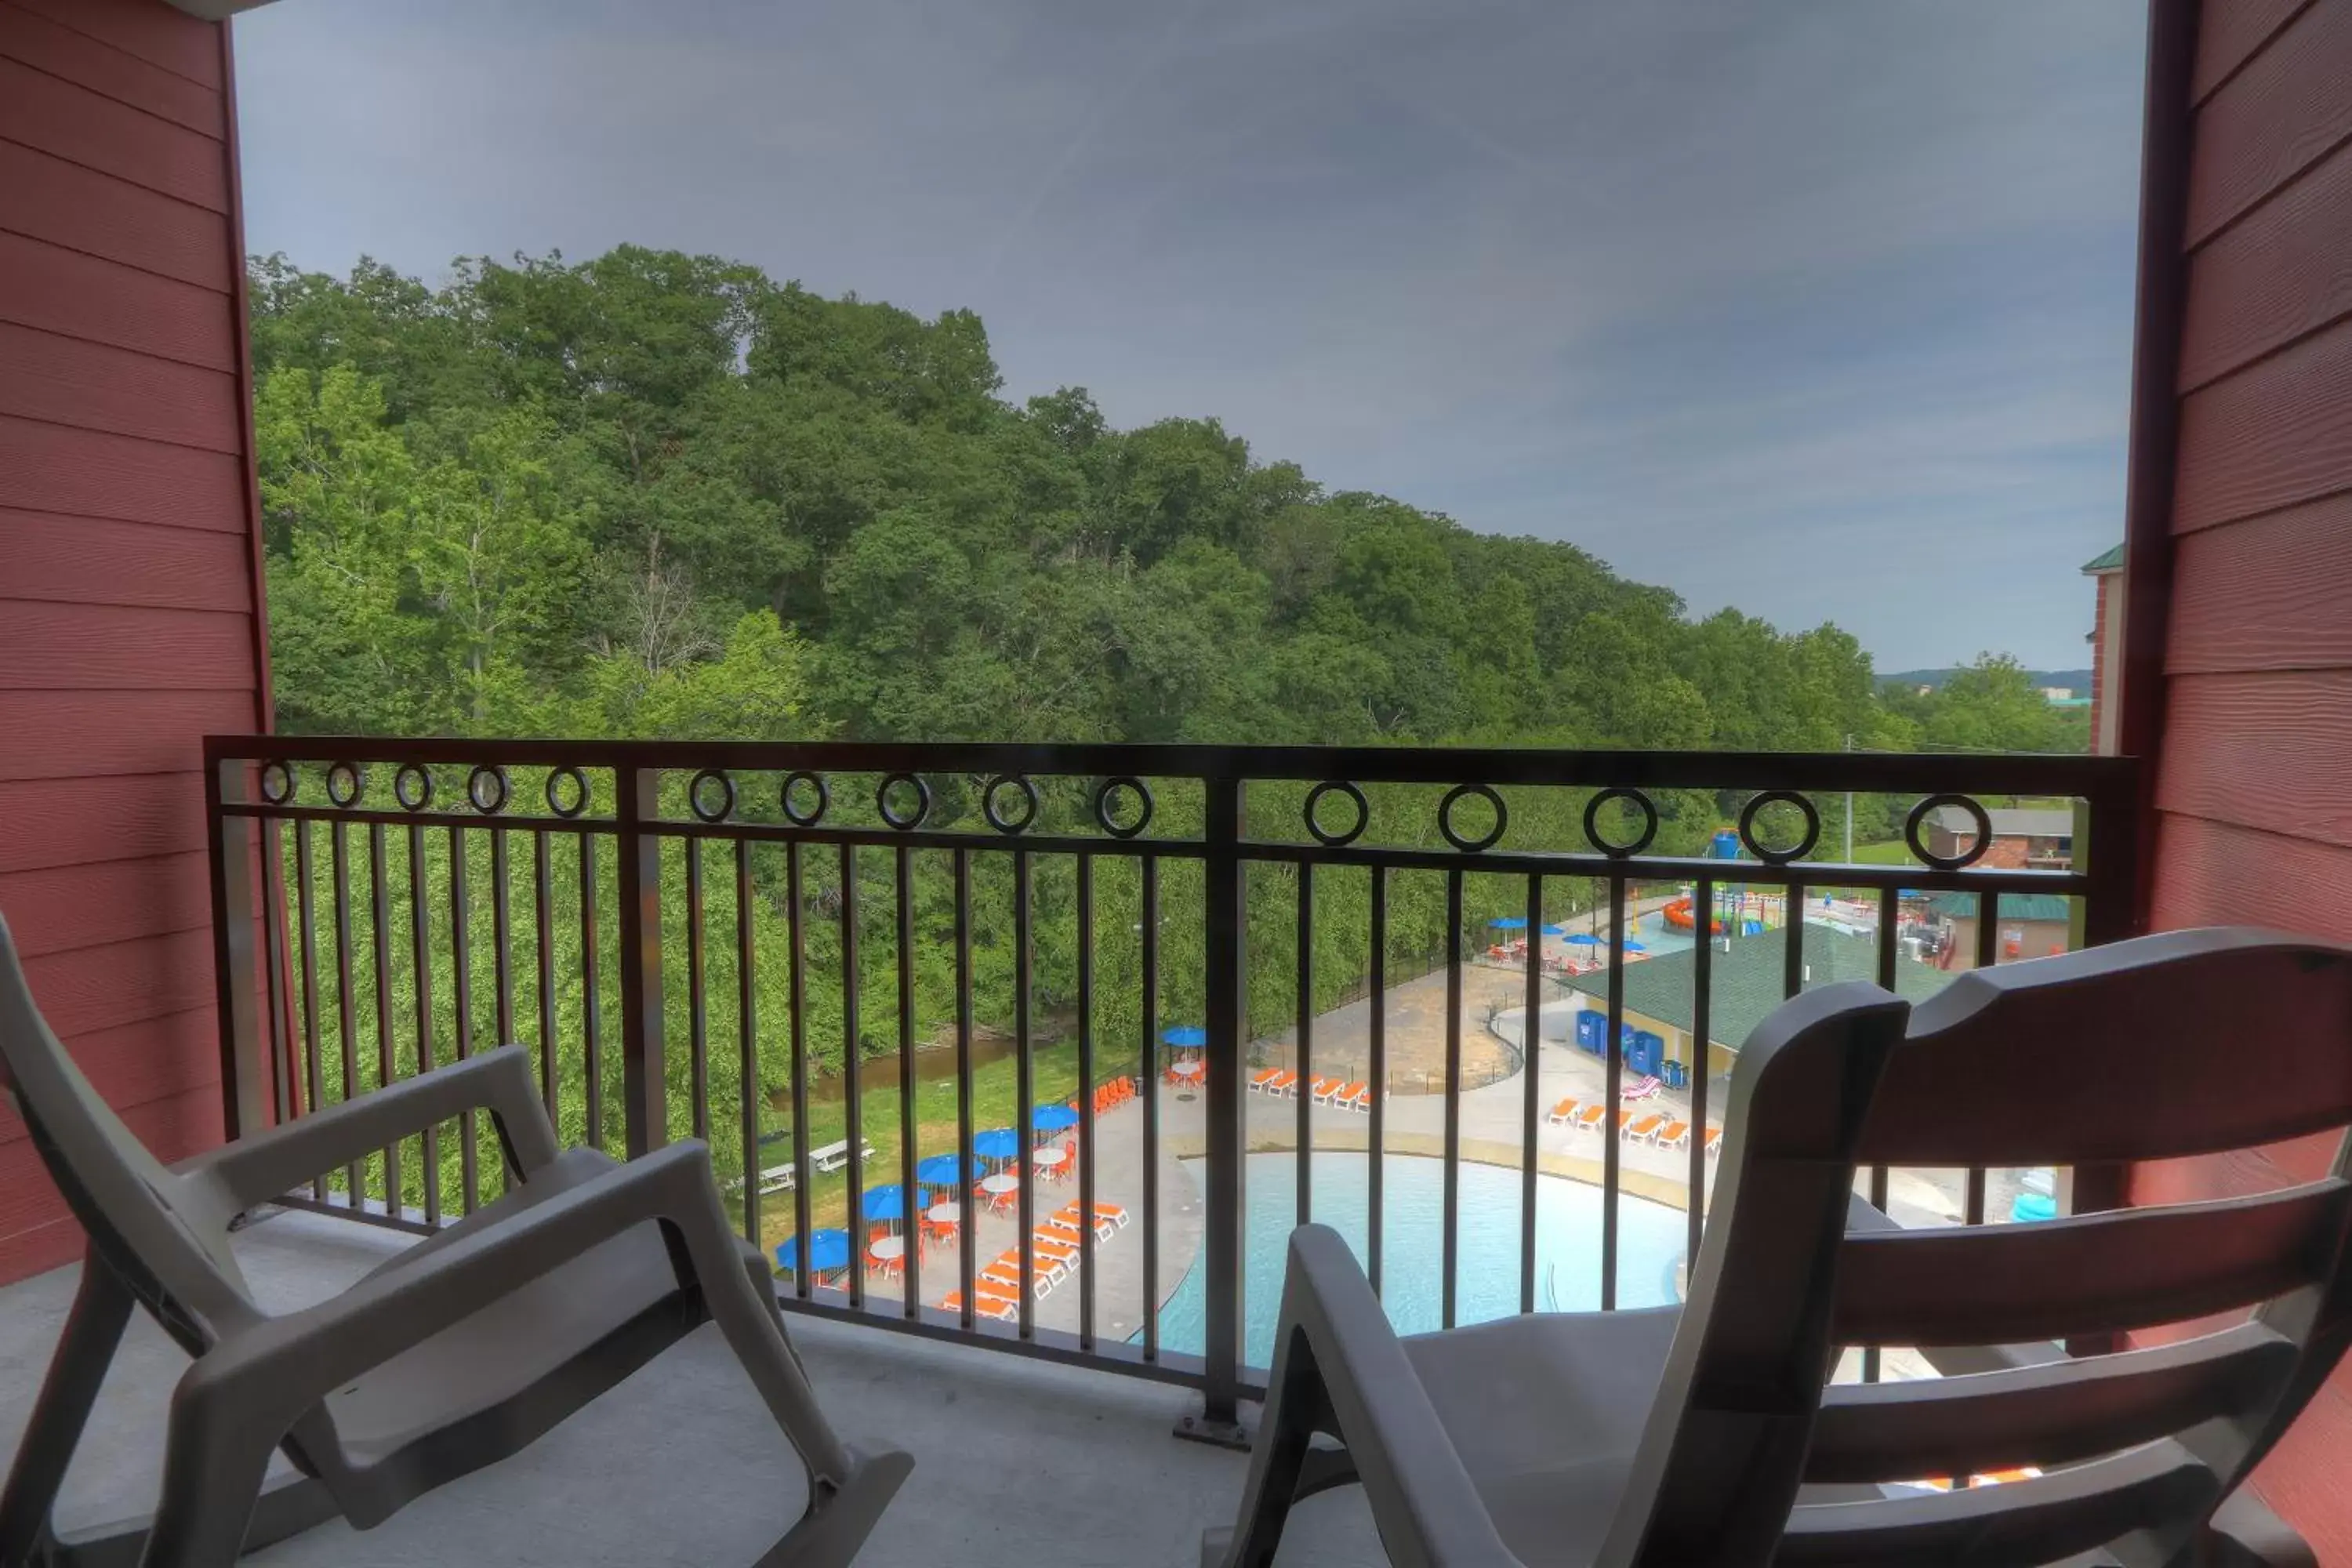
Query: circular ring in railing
x=1108 y=787
x=1805 y=842
x=1641 y=841
x=579 y=788
x=281 y=792
x=726 y=795
x=487 y=788
x=792 y=780
x=1454 y=798
x=1912 y=823
x=412 y=788
x=345 y=784
x=1314 y=825
x=997 y=819
x=922 y=801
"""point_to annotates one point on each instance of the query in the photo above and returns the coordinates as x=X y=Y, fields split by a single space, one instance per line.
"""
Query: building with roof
x=2038 y=836
x=2028 y=925
x=2107 y=649
x=1746 y=978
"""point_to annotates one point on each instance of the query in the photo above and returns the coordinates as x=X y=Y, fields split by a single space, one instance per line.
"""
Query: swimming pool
x=1650 y=1242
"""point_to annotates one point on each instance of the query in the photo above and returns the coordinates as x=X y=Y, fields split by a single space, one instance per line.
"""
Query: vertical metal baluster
x=966 y=1196
x=501 y=939
x=1988 y=955
x=1889 y=911
x=1702 y=1057
x=637 y=857
x=1023 y=1074
x=1085 y=1172
x=1151 y=1085
x=1450 y=1255
x=1224 y=1221
x=698 y=1060
x=910 y=1260
x=1612 y=1157
x=1378 y=1021
x=1793 y=942
x=853 y=1063
x=347 y=1025
x=421 y=957
x=747 y=1041
x=381 y=944
x=1304 y=1026
x=796 y=929
x=284 y=1083
x=542 y=914
x=1531 y=1106
x=592 y=1036
x=461 y=1001
x=312 y=1070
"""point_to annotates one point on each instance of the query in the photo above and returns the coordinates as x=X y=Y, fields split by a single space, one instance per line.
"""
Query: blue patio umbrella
x=944 y=1171
x=1185 y=1037
x=1510 y=923
x=829 y=1250
x=996 y=1143
x=1583 y=939
x=885 y=1203
x=1635 y=947
x=1053 y=1118
x=1553 y=930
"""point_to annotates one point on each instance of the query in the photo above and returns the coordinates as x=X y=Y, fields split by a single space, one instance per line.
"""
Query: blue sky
x=1822 y=310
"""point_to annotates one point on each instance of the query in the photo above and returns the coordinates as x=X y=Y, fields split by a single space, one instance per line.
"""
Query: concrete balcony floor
x=1018 y=1464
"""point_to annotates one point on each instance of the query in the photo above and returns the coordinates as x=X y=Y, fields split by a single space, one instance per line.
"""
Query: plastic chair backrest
x=165 y=1236
x=2139 y=1051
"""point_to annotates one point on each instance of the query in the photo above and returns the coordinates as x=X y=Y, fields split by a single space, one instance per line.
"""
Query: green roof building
x=1745 y=980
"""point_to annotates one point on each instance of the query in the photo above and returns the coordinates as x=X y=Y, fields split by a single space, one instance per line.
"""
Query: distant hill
x=2078 y=682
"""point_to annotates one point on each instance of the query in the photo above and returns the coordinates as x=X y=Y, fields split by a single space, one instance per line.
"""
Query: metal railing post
x=644 y=1108
x=236 y=952
x=1227 y=923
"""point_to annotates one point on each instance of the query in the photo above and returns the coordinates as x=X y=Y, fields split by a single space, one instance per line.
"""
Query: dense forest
x=653 y=494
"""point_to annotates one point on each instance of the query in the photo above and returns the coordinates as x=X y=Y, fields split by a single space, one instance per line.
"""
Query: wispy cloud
x=1822 y=311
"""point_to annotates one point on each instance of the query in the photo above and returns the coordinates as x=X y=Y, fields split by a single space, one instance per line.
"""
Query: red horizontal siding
x=29 y=1205
x=2273 y=434
x=2268 y=593
x=100 y=302
x=151 y=1061
x=2282 y=114
x=2278 y=275
x=95 y=473
x=2231 y=32
x=52 y=115
x=86 y=821
x=96 y=988
x=96 y=561
x=169 y=39
x=2215 y=873
x=75 y=907
x=85 y=209
x=99 y=734
x=2264 y=751
x=89 y=385
x=67 y=648
x=83 y=60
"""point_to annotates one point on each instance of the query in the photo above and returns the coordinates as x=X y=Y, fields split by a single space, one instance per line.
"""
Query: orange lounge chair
x=1066 y=1219
x=1588 y=1120
x=1048 y=1245
x=994 y=1308
x=1112 y=1213
x=1357 y=1096
x=1324 y=1089
x=1645 y=1128
x=1562 y=1113
x=1263 y=1077
x=1715 y=1140
x=1674 y=1136
x=1284 y=1083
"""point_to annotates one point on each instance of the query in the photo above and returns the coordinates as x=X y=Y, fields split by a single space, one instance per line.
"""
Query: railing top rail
x=1913 y=772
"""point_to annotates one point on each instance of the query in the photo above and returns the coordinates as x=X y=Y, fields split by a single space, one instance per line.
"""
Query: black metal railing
x=981 y=930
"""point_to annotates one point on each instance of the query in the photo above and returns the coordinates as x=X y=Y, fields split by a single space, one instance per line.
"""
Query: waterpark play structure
x=1749 y=915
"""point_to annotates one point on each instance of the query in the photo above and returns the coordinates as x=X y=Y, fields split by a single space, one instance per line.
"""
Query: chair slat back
x=137 y=1215
x=2140 y=1050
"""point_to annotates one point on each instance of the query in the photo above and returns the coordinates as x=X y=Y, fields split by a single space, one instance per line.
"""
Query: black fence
x=831 y=962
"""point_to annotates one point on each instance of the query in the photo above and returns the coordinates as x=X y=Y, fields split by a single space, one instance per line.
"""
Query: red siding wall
x=130 y=620
x=2253 y=786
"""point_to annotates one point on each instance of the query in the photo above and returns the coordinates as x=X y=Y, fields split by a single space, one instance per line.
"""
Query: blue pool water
x=1650 y=1241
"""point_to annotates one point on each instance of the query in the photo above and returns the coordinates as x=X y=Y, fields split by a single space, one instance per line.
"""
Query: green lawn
x=1893 y=853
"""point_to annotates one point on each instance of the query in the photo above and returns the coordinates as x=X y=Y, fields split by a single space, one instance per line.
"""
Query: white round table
x=944 y=1214
x=889 y=1250
x=1002 y=1181
x=1051 y=1159
x=1187 y=1069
